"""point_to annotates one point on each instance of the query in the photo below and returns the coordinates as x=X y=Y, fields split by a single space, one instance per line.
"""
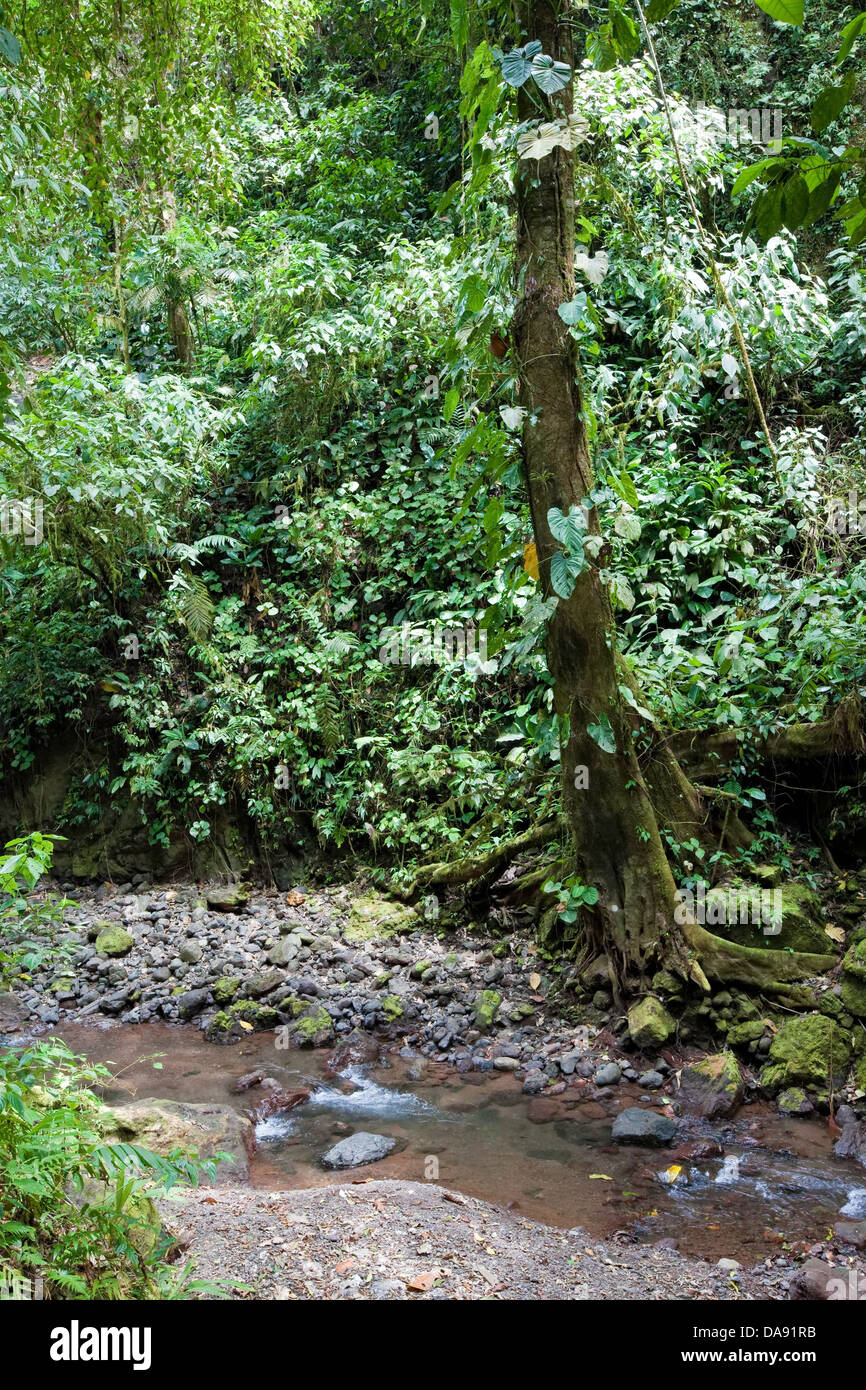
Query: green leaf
x=560 y=578
x=450 y=403
x=574 y=311
x=850 y=35
x=601 y=49
x=768 y=212
x=10 y=47
x=602 y=734
x=625 y=35
x=459 y=24
x=515 y=68
x=754 y=171
x=785 y=11
x=550 y=75
x=831 y=102
x=625 y=488
x=658 y=10
x=795 y=201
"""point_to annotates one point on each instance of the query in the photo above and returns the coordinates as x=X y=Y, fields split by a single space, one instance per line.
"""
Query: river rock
x=607 y=1075
x=358 y=1150
x=232 y=899
x=191 y=1003
x=13 y=1014
x=114 y=941
x=649 y=1024
x=163 y=1125
x=818 y=1281
x=276 y=1101
x=284 y=952
x=804 y=1051
x=852 y=1142
x=713 y=1086
x=635 y=1126
x=852 y=1232
x=651 y=1080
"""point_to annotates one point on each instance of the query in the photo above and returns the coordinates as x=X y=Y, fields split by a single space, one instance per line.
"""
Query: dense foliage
x=256 y=349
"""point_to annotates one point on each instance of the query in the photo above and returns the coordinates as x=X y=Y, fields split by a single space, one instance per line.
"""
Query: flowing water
x=550 y=1159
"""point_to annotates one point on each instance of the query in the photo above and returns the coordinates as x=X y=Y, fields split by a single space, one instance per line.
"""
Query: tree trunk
x=617 y=845
x=179 y=329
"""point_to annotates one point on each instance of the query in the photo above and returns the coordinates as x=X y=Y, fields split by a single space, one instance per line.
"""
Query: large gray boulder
x=635 y=1126
x=357 y=1150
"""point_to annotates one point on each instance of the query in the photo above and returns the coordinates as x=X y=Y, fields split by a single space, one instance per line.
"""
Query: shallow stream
x=550 y=1159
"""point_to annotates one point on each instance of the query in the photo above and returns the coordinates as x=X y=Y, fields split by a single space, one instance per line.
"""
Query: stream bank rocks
x=315 y=966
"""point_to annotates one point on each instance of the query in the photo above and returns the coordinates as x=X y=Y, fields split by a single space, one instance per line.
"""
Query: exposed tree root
x=727 y=962
x=478 y=866
x=707 y=753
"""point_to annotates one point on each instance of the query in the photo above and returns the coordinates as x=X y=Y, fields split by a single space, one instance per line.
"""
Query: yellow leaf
x=247 y=1027
x=603 y=1176
x=534 y=981
x=530 y=560
x=835 y=933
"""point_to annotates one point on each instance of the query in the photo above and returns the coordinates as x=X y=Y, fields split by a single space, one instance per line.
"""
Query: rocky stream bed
x=516 y=1146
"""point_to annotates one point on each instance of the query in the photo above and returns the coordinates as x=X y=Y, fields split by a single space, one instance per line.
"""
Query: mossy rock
x=739 y=1034
x=713 y=1086
x=520 y=1012
x=730 y=913
x=420 y=969
x=830 y=1004
x=768 y=875
x=201 y=1129
x=376 y=918
x=486 y=1007
x=663 y=982
x=649 y=1024
x=232 y=899
x=392 y=1007
x=308 y=1024
x=854 y=995
x=114 y=941
x=227 y=1025
x=794 y=1101
x=855 y=961
x=860 y=1074
x=807 y=1051
x=226 y=988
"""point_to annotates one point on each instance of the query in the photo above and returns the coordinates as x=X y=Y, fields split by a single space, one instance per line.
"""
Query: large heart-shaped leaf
x=550 y=75
x=574 y=312
x=541 y=139
x=785 y=11
x=515 y=68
